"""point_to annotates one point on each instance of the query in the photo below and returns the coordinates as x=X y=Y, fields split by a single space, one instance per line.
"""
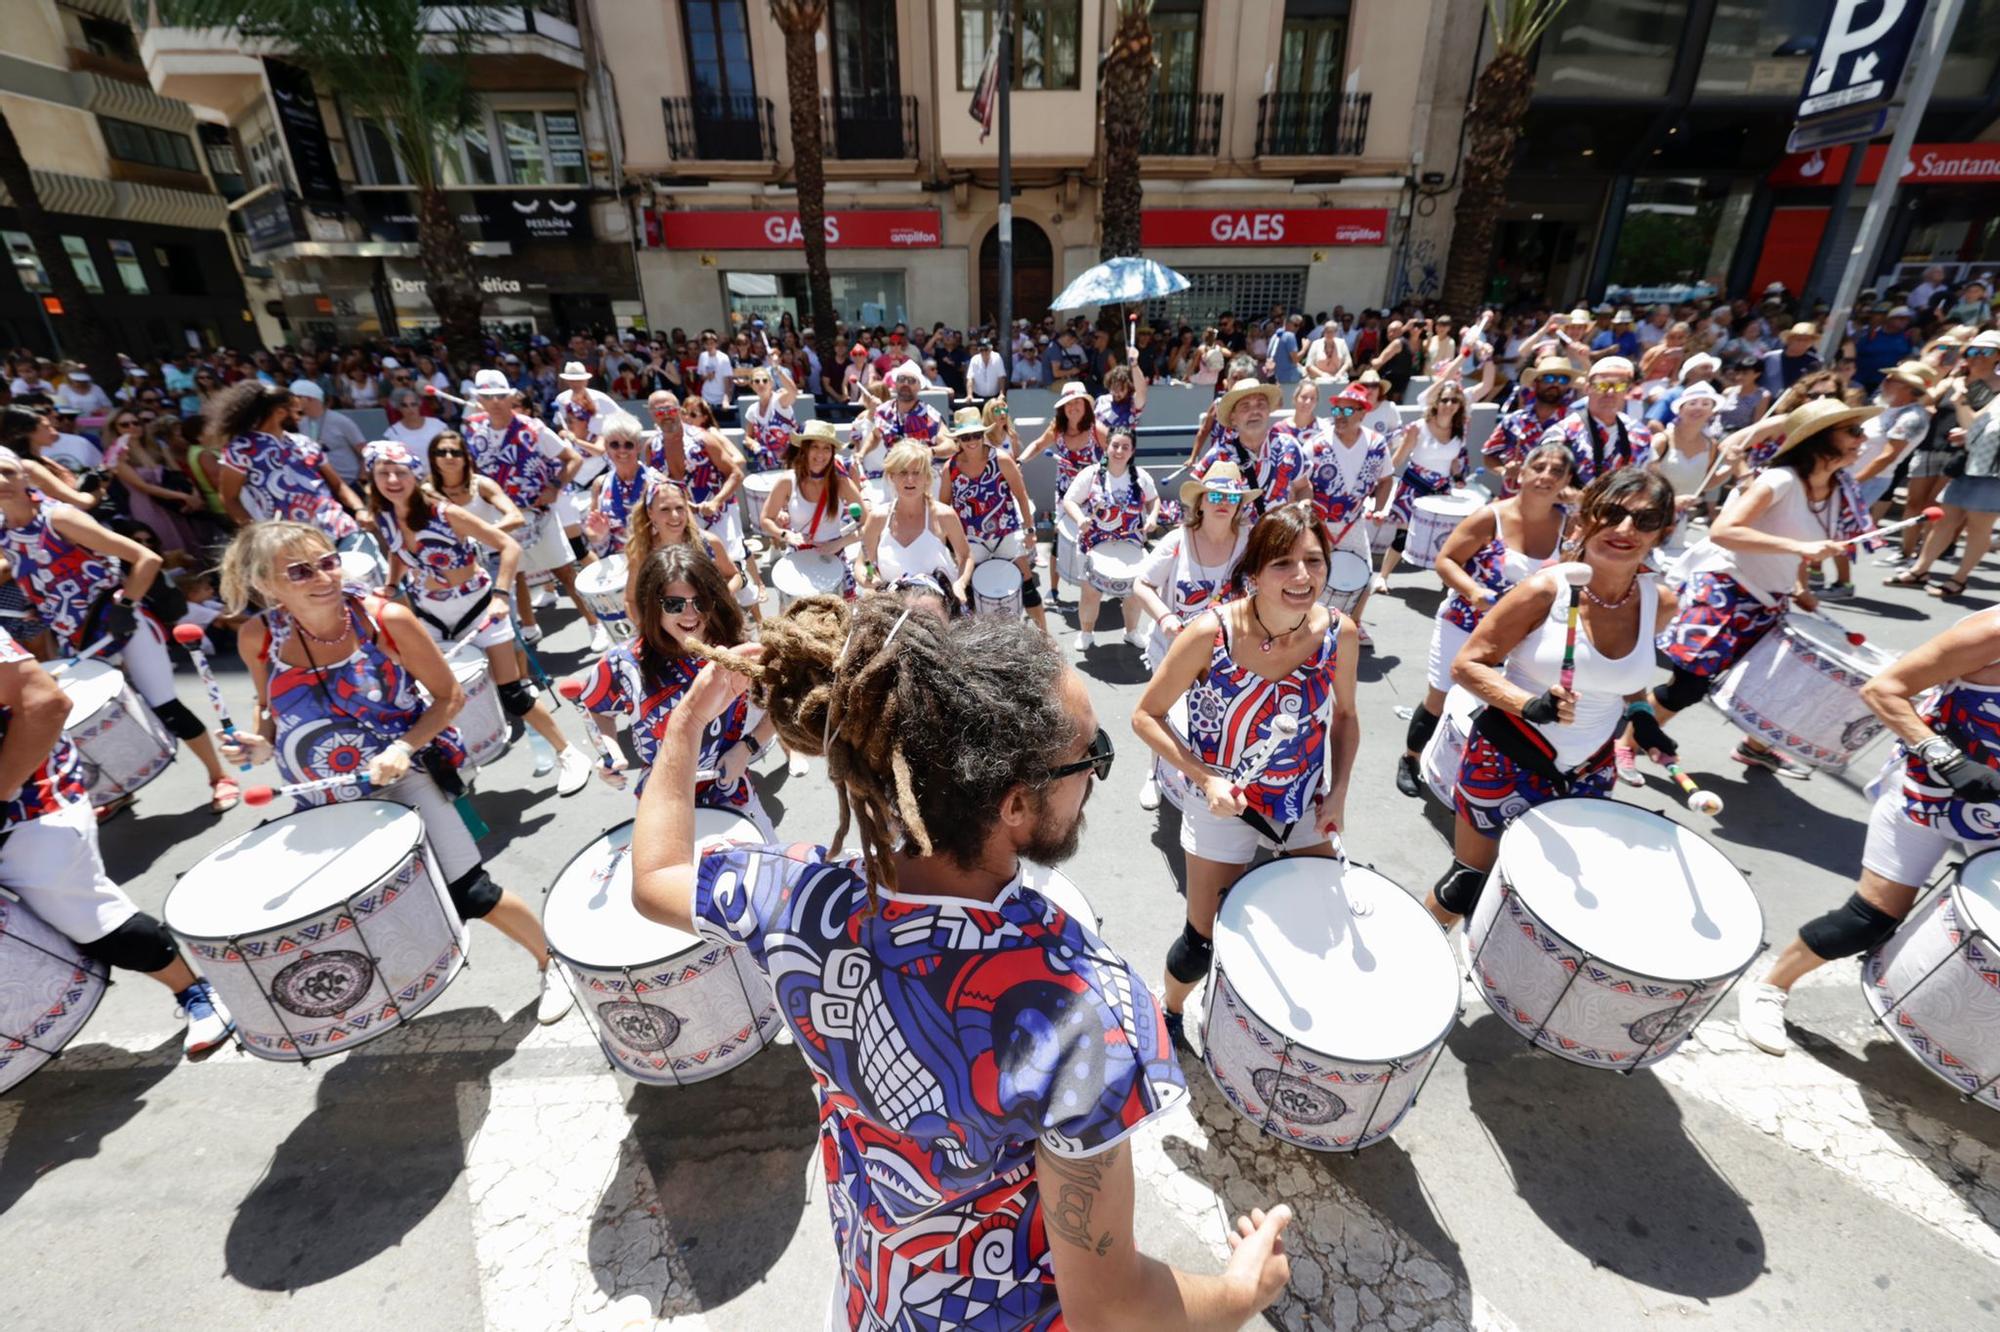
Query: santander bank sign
x=1264 y=226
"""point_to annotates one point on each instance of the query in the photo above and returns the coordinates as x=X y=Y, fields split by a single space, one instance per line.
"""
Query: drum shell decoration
x=120 y=744
x=341 y=975
x=1445 y=750
x=1113 y=566
x=1432 y=520
x=1069 y=562
x=481 y=723
x=1800 y=692
x=1935 y=986
x=1347 y=576
x=601 y=586
x=48 y=990
x=804 y=573
x=1173 y=783
x=1000 y=591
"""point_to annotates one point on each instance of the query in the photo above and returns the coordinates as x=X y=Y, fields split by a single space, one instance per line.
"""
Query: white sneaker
x=1378 y=584
x=209 y=1023
x=572 y=770
x=1084 y=639
x=543 y=594
x=1760 y=1014
x=799 y=766
x=555 y=998
x=531 y=633
x=1137 y=638
x=1149 y=795
x=600 y=638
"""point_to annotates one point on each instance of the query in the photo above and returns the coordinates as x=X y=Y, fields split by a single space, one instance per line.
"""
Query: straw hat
x=574 y=370
x=967 y=421
x=1554 y=365
x=1271 y=393
x=1802 y=330
x=1917 y=374
x=1224 y=476
x=1074 y=391
x=812 y=432
x=1817 y=417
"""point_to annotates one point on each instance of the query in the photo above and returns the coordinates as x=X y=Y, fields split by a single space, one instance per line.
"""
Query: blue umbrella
x=1120 y=282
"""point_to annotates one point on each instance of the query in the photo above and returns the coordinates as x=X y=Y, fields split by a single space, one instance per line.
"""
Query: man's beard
x=906 y=396
x=1550 y=394
x=1050 y=846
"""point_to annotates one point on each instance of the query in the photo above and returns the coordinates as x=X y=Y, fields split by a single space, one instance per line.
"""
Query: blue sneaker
x=209 y=1023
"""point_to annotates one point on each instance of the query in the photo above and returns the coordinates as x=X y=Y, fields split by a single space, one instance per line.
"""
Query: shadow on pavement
x=138 y=839
x=66 y=1115
x=379 y=1152
x=1606 y=1163
x=729 y=1159
x=1762 y=811
x=505 y=811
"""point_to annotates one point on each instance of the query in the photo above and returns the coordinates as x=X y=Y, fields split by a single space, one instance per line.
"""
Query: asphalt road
x=471 y=1170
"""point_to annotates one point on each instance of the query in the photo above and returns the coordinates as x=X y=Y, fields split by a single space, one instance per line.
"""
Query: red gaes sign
x=1929 y=164
x=873 y=229
x=1201 y=227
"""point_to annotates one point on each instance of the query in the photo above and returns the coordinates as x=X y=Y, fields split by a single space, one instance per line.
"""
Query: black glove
x=120 y=619
x=1542 y=709
x=1652 y=736
x=1968 y=779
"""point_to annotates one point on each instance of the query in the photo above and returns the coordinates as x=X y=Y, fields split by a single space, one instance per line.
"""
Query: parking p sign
x=1853 y=77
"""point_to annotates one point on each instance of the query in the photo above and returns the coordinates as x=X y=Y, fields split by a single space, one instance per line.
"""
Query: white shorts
x=543 y=545
x=1902 y=850
x=1009 y=547
x=1231 y=841
x=451 y=842
x=52 y=864
x=1446 y=640
x=496 y=628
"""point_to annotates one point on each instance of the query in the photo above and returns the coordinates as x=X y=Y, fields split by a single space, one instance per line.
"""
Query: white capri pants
x=1902 y=850
x=52 y=863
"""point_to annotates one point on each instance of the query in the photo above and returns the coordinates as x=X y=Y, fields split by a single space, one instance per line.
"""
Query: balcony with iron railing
x=868 y=126
x=707 y=128
x=1322 y=124
x=1183 y=124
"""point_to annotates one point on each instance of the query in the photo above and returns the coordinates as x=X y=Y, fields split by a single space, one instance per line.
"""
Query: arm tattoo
x=1069 y=1192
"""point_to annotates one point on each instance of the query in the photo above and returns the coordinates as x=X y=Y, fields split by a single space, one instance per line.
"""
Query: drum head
x=589 y=918
x=1455 y=506
x=806 y=574
x=1633 y=889
x=1120 y=557
x=603 y=576
x=761 y=484
x=292 y=868
x=1978 y=894
x=90 y=685
x=996 y=578
x=1366 y=988
x=1347 y=571
x=1863 y=659
x=469 y=671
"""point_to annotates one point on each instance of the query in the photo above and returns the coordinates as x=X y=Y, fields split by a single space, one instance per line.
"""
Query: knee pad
x=1683 y=690
x=579 y=549
x=516 y=698
x=1190 y=956
x=174 y=715
x=1031 y=591
x=1400 y=540
x=1458 y=891
x=1423 y=725
x=1855 y=926
x=140 y=944
x=473 y=894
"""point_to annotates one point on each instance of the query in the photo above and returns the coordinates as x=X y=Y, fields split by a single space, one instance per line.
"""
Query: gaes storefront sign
x=1201 y=227
x=488 y=215
x=860 y=229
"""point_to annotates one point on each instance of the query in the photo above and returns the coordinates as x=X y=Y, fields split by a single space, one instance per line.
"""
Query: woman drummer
x=455 y=476
x=336 y=674
x=683 y=596
x=1741 y=579
x=1430 y=459
x=436 y=544
x=1939 y=793
x=808 y=510
x=666 y=518
x=621 y=490
x=917 y=535
x=715 y=473
x=1077 y=441
x=85 y=583
x=1188 y=572
x=1487 y=553
x=1112 y=500
x=1347 y=465
x=1272 y=649
x=984 y=487
x=1538 y=739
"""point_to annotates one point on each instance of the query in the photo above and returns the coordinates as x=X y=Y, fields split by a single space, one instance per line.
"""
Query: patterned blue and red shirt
x=281 y=479
x=56 y=781
x=617 y=685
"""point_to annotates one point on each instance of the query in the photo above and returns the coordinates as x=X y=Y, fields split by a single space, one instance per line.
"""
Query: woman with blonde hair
x=915 y=535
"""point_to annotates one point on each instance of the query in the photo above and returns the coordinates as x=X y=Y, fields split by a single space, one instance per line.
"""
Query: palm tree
x=1126 y=75
x=407 y=65
x=801 y=21
x=87 y=342
x=1493 y=127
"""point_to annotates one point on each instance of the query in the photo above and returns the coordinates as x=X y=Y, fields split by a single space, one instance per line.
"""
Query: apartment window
x=183 y=269
x=129 y=141
x=267 y=160
x=542 y=147
x=125 y=259
x=108 y=39
x=505 y=146
x=1047 y=38
x=375 y=153
x=27 y=265
x=1177 y=43
x=85 y=266
x=1312 y=48
x=864 y=49
x=1760 y=49
x=718 y=52
x=1614 y=49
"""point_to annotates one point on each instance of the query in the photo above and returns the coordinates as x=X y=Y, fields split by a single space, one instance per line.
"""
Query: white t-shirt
x=1172 y=564
x=601 y=405
x=1790 y=515
x=714 y=369
x=985 y=375
x=417 y=438
x=1079 y=489
x=74 y=452
x=1900 y=428
x=1433 y=454
x=1383 y=419
x=90 y=398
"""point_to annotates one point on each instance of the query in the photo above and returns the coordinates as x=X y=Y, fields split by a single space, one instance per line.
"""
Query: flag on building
x=987 y=93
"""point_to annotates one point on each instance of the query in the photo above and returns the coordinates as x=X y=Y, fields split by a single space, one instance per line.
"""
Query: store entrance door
x=1034 y=272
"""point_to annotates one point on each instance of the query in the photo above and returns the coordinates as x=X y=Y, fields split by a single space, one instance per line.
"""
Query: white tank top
x=1433 y=454
x=1602 y=683
x=799 y=515
x=927 y=555
x=1516 y=565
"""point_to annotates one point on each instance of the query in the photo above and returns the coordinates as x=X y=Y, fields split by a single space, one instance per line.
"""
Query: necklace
x=1269 y=637
x=1623 y=597
x=346 y=625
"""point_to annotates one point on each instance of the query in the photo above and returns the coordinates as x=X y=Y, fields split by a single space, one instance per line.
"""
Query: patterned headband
x=386 y=451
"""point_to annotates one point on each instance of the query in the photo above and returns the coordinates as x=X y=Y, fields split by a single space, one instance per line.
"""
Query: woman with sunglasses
x=1488 y=553
x=1549 y=391
x=1076 y=439
x=1741 y=580
x=1348 y=467
x=336 y=674
x=770 y=422
x=1429 y=460
x=918 y=535
x=1536 y=739
x=435 y=544
x=679 y=597
x=1271 y=649
x=666 y=518
x=1926 y=477
x=621 y=490
x=86 y=584
x=983 y=485
x=130 y=458
x=713 y=471
x=1112 y=500
x=456 y=477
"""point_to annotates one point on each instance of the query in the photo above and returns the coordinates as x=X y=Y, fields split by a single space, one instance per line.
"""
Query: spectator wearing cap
x=1620 y=339
x=1885 y=345
x=1701 y=368
x=1890 y=437
x=985 y=374
x=1601 y=437
x=79 y=394
x=1028 y=369
x=335 y=432
x=1796 y=356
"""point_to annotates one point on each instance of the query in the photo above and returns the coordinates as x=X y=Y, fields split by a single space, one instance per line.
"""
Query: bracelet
x=409 y=754
x=755 y=748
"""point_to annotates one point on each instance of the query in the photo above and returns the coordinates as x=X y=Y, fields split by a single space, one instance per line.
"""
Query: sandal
x=1907 y=578
x=1950 y=587
x=223 y=794
x=113 y=808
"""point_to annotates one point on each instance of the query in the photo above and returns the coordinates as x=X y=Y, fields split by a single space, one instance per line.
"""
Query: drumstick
x=434 y=391
x=1930 y=515
x=572 y=690
x=57 y=668
x=258 y=796
x=1700 y=801
x=1853 y=639
x=189 y=636
x=1576 y=575
x=1283 y=727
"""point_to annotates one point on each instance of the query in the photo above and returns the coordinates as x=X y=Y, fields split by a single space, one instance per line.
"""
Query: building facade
x=326 y=211
x=1286 y=143
x=125 y=177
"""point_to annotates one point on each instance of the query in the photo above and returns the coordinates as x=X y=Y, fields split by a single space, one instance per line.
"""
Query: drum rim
x=1762 y=923
x=1840 y=651
x=1958 y=886
x=94 y=670
x=700 y=940
x=166 y=907
x=1457 y=979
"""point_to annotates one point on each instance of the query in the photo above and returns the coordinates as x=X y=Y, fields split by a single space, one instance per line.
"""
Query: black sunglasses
x=680 y=605
x=1643 y=520
x=447 y=453
x=1098 y=757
